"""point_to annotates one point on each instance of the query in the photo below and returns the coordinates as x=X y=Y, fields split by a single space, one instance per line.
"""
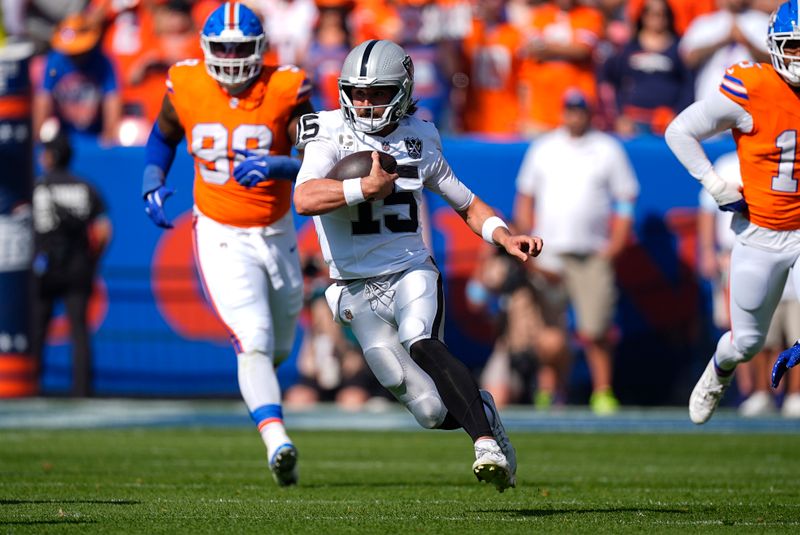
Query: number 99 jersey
x=380 y=237
x=218 y=124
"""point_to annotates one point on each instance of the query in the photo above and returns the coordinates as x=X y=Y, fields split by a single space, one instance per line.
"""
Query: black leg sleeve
x=456 y=385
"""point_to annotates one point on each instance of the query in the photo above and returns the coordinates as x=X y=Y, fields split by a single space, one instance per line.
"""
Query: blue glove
x=787 y=359
x=257 y=168
x=736 y=206
x=154 y=205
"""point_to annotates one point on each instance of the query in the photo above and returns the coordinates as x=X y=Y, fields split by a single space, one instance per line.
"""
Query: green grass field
x=215 y=480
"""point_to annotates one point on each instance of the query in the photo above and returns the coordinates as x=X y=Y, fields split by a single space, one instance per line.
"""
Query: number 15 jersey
x=380 y=237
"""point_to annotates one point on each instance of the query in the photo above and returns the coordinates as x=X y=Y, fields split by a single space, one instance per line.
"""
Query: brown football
x=358 y=165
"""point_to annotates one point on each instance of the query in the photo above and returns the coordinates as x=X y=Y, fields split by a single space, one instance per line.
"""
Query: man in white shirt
x=581 y=187
x=715 y=41
x=387 y=287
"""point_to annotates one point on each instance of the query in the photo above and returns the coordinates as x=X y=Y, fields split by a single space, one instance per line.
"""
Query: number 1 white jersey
x=380 y=237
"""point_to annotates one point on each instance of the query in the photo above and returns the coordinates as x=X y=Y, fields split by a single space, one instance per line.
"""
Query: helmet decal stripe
x=365 y=58
x=231 y=15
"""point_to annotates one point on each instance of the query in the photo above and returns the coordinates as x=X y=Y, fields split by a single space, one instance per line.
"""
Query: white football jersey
x=380 y=237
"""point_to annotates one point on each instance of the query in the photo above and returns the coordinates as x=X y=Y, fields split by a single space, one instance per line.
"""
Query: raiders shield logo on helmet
x=413 y=147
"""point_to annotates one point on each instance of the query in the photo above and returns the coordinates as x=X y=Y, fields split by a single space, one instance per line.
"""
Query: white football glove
x=727 y=194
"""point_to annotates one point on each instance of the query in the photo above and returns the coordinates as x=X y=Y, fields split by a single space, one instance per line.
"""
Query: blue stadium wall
x=156 y=336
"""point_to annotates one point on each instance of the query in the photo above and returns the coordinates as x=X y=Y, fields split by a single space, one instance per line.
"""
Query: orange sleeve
x=295 y=85
x=736 y=81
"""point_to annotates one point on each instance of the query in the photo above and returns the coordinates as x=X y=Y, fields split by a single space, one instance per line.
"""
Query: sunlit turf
x=215 y=480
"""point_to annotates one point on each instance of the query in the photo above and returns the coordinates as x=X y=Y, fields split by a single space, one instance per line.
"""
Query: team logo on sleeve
x=413 y=147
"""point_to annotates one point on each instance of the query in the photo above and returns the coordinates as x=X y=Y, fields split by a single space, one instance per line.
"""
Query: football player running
x=239 y=118
x=387 y=287
x=760 y=103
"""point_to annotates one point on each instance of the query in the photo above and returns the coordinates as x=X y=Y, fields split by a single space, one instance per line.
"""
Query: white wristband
x=352 y=191
x=489 y=226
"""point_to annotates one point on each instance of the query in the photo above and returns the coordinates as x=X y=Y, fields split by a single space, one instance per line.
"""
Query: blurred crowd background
x=493 y=71
x=492 y=67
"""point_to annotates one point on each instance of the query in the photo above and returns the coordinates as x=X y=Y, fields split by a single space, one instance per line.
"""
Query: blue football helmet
x=784 y=27
x=233 y=42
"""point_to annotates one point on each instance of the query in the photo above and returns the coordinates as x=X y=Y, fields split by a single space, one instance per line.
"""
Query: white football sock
x=259 y=387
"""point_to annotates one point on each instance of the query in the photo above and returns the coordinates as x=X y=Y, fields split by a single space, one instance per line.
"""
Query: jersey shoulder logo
x=413 y=147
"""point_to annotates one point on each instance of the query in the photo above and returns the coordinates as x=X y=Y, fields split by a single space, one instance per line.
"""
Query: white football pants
x=758 y=275
x=388 y=314
x=252 y=277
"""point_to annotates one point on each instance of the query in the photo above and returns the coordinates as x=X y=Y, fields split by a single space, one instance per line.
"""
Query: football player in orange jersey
x=760 y=103
x=240 y=118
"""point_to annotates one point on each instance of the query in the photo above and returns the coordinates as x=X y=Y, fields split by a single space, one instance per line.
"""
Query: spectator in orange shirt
x=174 y=39
x=375 y=19
x=142 y=35
x=558 y=57
x=489 y=94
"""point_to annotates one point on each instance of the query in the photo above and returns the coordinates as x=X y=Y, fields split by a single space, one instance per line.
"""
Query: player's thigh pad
x=391 y=364
x=419 y=305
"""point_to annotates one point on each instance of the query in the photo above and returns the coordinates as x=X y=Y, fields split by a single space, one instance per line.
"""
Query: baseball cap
x=575 y=98
x=74 y=35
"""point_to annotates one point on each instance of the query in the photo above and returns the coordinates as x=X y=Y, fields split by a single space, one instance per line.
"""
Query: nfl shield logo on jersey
x=348 y=315
x=413 y=147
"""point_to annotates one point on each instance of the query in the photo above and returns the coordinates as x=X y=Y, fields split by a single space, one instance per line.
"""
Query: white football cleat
x=791 y=406
x=758 y=404
x=707 y=393
x=500 y=435
x=283 y=465
x=491 y=465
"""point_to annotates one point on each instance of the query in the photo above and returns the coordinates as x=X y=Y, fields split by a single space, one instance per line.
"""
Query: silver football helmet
x=376 y=64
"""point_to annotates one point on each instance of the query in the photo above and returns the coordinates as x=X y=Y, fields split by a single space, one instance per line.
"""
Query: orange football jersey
x=493 y=92
x=546 y=82
x=768 y=154
x=218 y=124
